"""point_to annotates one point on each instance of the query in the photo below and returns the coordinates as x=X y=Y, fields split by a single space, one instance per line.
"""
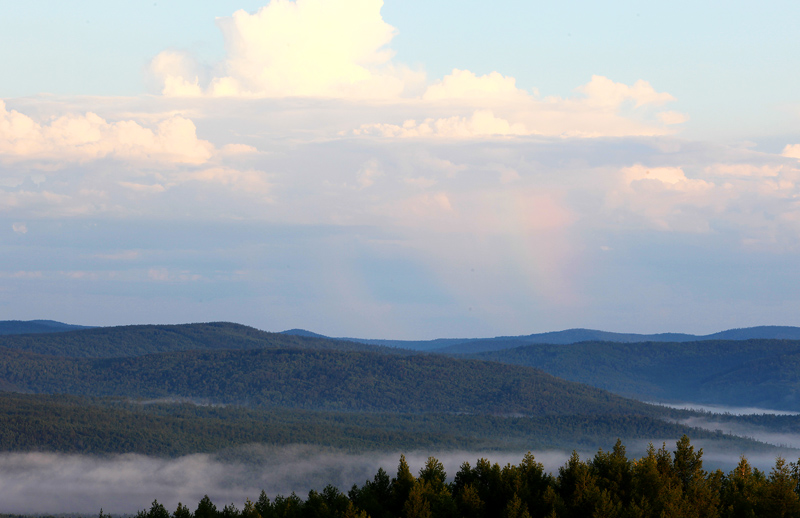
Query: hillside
x=18 y=327
x=728 y=372
x=72 y=424
x=569 y=336
x=316 y=379
x=109 y=342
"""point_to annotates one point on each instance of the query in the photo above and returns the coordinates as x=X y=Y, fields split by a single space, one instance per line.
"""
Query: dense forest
x=663 y=483
x=763 y=373
x=572 y=336
x=176 y=390
x=71 y=424
x=316 y=379
x=110 y=342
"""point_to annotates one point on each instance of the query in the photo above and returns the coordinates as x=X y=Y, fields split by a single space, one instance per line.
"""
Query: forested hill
x=109 y=342
x=760 y=373
x=18 y=327
x=316 y=379
x=572 y=336
x=569 y=336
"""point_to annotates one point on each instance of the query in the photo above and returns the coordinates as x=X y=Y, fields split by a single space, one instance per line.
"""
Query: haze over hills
x=245 y=334
x=759 y=373
x=316 y=379
x=727 y=371
x=16 y=327
x=570 y=336
x=304 y=384
x=108 y=342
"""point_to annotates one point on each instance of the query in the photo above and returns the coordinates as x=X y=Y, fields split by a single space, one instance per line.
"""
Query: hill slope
x=316 y=379
x=105 y=425
x=569 y=336
x=762 y=373
x=18 y=327
x=109 y=342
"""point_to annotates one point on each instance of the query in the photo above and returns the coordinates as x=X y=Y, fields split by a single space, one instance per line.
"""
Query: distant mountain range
x=729 y=368
x=120 y=341
x=377 y=391
x=569 y=336
x=19 y=327
x=441 y=345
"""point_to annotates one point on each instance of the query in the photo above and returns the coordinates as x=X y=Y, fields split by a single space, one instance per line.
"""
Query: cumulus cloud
x=340 y=49
x=672 y=117
x=318 y=48
x=90 y=137
x=465 y=85
x=251 y=181
x=600 y=108
x=745 y=170
x=665 y=198
x=603 y=92
x=792 y=151
x=673 y=177
x=482 y=123
x=20 y=228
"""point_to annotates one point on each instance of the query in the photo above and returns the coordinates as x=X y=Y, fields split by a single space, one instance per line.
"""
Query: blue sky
x=404 y=170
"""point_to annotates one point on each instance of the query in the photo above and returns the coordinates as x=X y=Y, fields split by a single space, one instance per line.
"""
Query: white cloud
x=90 y=137
x=664 y=198
x=20 y=228
x=601 y=108
x=671 y=117
x=792 y=151
x=178 y=74
x=317 y=48
x=368 y=173
x=238 y=149
x=465 y=85
x=250 y=180
x=482 y=123
x=744 y=170
x=670 y=175
x=339 y=49
x=143 y=188
x=603 y=92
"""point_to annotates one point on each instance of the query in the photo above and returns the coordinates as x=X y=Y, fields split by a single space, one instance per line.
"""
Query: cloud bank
x=340 y=49
x=90 y=137
x=288 y=48
x=47 y=483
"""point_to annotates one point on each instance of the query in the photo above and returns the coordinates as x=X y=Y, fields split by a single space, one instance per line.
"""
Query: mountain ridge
x=568 y=336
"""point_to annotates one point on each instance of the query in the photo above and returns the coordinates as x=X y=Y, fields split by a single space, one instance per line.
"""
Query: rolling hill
x=18 y=327
x=569 y=336
x=315 y=379
x=109 y=342
x=764 y=373
x=72 y=424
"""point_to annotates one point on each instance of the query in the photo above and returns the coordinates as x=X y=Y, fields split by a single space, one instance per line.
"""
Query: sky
x=401 y=169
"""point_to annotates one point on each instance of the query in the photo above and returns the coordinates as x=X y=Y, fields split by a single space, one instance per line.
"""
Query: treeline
x=119 y=341
x=663 y=483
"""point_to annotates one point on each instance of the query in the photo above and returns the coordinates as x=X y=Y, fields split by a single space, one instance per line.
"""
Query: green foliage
x=109 y=425
x=316 y=379
x=121 y=341
x=756 y=372
x=660 y=484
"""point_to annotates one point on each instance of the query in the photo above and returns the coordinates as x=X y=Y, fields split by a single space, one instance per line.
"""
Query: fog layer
x=49 y=483
x=43 y=483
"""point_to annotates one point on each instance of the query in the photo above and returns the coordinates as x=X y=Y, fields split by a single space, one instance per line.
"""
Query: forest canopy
x=664 y=482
